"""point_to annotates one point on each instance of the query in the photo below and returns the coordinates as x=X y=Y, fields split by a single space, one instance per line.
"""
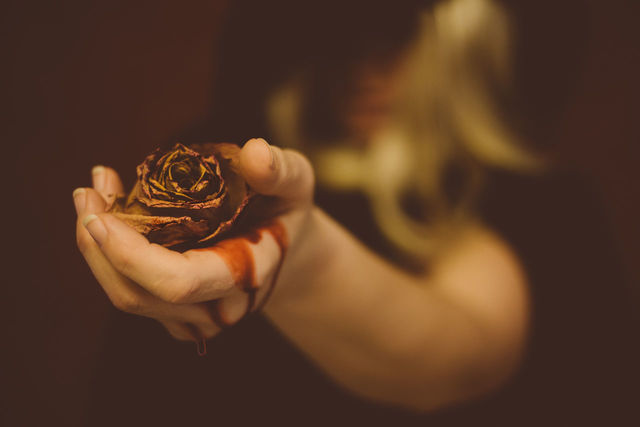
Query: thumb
x=275 y=172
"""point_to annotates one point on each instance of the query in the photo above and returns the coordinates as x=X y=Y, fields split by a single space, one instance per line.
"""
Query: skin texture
x=417 y=342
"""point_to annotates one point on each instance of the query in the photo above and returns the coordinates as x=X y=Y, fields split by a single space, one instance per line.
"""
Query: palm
x=196 y=293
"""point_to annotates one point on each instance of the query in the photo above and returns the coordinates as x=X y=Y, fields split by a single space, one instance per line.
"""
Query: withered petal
x=174 y=216
x=153 y=193
x=166 y=231
x=226 y=225
x=152 y=176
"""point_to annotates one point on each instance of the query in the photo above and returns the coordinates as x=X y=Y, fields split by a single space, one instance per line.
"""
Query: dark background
x=89 y=83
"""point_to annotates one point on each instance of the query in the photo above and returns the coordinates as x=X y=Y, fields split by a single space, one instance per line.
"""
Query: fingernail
x=272 y=157
x=96 y=228
x=79 y=199
x=98 y=177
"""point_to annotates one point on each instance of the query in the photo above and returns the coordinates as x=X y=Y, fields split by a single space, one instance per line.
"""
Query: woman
x=396 y=109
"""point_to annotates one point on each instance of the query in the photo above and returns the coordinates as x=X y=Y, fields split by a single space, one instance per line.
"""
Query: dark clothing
x=576 y=372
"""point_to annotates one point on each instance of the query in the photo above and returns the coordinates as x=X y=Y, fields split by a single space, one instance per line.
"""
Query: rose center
x=186 y=176
x=183 y=175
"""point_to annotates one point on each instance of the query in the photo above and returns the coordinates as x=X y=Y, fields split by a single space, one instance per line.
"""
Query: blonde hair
x=446 y=114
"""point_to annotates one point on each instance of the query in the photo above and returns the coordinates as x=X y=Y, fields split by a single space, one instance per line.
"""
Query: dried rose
x=186 y=196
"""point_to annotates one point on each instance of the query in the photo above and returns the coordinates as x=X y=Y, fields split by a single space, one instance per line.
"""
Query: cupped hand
x=196 y=293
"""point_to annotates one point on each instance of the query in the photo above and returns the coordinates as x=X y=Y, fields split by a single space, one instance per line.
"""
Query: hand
x=196 y=293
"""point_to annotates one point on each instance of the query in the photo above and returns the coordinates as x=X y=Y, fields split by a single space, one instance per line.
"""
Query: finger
x=167 y=274
x=131 y=298
x=124 y=294
x=182 y=331
x=250 y=260
x=205 y=323
x=107 y=182
x=188 y=332
x=276 y=172
x=239 y=303
x=88 y=201
x=196 y=275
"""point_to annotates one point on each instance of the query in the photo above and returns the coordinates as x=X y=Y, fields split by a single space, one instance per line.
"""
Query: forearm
x=380 y=332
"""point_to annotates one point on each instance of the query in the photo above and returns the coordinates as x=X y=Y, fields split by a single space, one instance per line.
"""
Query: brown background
x=104 y=82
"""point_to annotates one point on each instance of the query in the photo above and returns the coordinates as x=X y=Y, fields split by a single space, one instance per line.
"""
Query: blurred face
x=372 y=93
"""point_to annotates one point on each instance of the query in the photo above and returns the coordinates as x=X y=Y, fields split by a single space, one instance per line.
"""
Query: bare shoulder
x=477 y=253
x=481 y=273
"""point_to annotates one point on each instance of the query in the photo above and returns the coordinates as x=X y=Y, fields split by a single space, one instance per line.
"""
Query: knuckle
x=216 y=285
x=299 y=174
x=179 y=289
x=175 y=285
x=128 y=303
x=307 y=176
x=224 y=287
x=180 y=336
x=210 y=334
x=83 y=241
x=305 y=172
x=208 y=329
x=120 y=261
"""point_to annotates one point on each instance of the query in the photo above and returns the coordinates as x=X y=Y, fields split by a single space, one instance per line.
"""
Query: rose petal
x=153 y=193
x=226 y=225
x=166 y=231
x=187 y=196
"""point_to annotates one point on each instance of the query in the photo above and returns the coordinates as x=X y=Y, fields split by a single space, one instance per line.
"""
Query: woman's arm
x=416 y=342
x=420 y=342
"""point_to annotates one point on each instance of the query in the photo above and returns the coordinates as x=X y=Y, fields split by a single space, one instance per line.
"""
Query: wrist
x=306 y=262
